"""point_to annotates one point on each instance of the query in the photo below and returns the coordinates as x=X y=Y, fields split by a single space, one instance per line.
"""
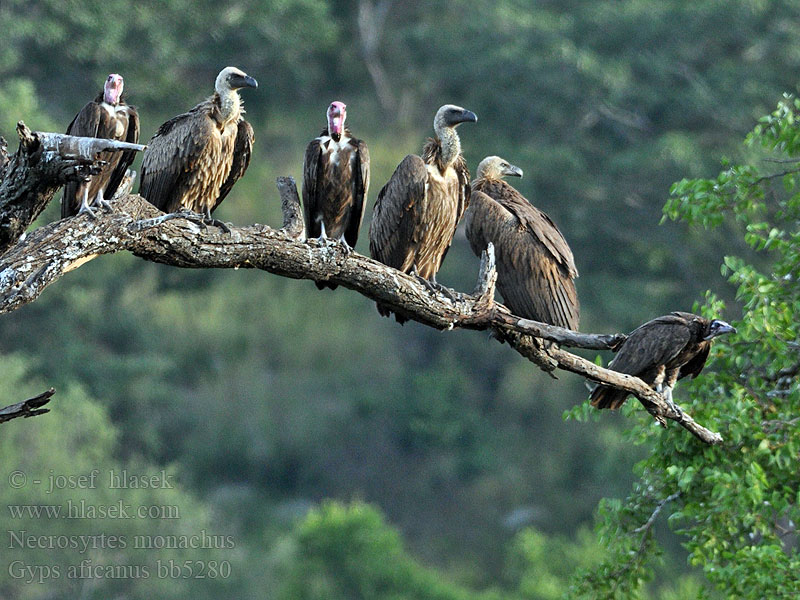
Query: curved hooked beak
x=466 y=116
x=512 y=171
x=721 y=329
x=244 y=81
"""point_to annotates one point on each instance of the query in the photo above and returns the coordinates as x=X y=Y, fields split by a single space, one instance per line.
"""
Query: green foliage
x=269 y=395
x=108 y=531
x=735 y=505
x=348 y=552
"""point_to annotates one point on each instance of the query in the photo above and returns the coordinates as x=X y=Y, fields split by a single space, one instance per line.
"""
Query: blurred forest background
x=330 y=443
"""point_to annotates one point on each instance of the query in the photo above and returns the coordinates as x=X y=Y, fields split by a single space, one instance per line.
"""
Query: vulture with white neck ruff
x=335 y=183
x=417 y=211
x=535 y=267
x=195 y=158
x=108 y=116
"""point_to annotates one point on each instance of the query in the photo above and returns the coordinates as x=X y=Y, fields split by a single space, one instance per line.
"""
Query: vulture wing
x=649 y=346
x=242 y=151
x=86 y=123
x=360 y=189
x=173 y=152
x=392 y=233
x=311 y=171
x=125 y=161
x=535 y=283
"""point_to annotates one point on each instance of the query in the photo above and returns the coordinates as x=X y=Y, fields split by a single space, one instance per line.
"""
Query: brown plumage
x=108 y=116
x=335 y=183
x=194 y=159
x=535 y=267
x=661 y=352
x=417 y=211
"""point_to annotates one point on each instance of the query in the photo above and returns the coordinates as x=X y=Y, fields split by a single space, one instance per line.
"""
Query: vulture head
x=231 y=78
x=112 y=90
x=494 y=167
x=451 y=115
x=718 y=327
x=337 y=113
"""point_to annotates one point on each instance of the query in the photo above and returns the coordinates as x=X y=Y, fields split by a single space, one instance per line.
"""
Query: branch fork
x=134 y=225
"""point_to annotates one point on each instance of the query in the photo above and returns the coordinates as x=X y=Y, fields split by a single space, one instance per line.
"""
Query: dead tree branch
x=42 y=164
x=27 y=408
x=134 y=225
x=44 y=161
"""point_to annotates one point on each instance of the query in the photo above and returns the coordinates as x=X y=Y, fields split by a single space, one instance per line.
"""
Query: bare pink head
x=337 y=112
x=112 y=90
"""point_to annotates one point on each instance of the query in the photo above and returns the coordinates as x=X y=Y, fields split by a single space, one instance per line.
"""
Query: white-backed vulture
x=193 y=160
x=108 y=116
x=535 y=266
x=335 y=183
x=417 y=211
x=661 y=352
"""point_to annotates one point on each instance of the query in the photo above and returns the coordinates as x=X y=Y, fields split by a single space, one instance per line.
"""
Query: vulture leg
x=85 y=208
x=433 y=286
x=101 y=202
x=345 y=246
x=209 y=220
x=441 y=288
x=323 y=238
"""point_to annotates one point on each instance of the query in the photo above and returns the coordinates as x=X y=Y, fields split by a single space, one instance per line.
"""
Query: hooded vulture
x=193 y=160
x=660 y=352
x=417 y=211
x=109 y=117
x=335 y=183
x=535 y=267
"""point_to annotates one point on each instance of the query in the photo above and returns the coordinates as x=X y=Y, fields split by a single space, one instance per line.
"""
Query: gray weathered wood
x=42 y=164
x=134 y=225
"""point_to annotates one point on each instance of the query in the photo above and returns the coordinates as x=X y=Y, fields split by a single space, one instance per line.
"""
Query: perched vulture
x=195 y=158
x=108 y=117
x=417 y=211
x=335 y=183
x=660 y=352
x=535 y=268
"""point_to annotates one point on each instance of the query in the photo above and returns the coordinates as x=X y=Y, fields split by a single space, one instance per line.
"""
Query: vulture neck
x=451 y=145
x=230 y=104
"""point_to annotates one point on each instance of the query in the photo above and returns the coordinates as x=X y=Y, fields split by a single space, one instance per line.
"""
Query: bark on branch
x=135 y=225
x=42 y=164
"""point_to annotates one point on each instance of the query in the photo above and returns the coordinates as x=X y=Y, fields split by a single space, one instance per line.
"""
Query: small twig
x=649 y=523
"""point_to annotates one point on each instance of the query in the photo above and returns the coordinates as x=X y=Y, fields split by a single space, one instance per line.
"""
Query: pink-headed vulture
x=417 y=211
x=195 y=158
x=108 y=116
x=335 y=183
x=535 y=267
x=661 y=352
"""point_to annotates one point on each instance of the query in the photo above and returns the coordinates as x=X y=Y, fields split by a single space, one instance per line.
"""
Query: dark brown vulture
x=109 y=117
x=335 y=183
x=535 y=267
x=660 y=352
x=195 y=158
x=417 y=211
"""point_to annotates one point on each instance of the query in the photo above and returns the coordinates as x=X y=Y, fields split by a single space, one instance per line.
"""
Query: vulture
x=417 y=211
x=660 y=352
x=335 y=183
x=108 y=116
x=535 y=268
x=193 y=160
